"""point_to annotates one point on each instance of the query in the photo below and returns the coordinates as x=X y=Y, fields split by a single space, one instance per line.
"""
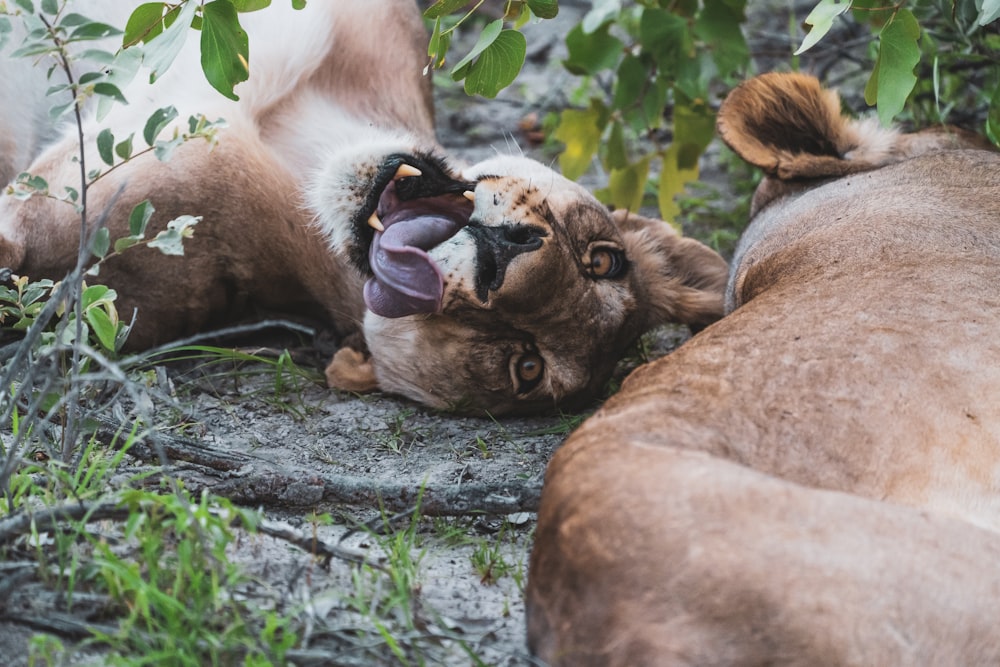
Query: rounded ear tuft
x=791 y=127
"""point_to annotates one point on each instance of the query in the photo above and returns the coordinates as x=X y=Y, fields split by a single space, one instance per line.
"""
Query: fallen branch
x=253 y=481
x=17 y=525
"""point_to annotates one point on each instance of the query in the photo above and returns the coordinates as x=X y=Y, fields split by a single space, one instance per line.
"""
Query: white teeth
x=375 y=223
x=470 y=195
x=406 y=170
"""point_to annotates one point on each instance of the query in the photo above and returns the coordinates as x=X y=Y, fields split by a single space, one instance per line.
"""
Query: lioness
x=501 y=285
x=815 y=478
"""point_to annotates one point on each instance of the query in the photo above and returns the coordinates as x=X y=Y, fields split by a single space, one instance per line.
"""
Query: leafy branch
x=497 y=57
x=652 y=72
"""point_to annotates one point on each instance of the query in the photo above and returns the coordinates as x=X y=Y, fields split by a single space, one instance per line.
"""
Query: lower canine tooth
x=406 y=170
x=470 y=195
x=375 y=223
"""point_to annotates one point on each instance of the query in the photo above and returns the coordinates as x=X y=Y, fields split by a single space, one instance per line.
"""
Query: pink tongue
x=407 y=281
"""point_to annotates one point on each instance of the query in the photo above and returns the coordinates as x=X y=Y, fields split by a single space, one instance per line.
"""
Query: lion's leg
x=253 y=250
x=650 y=555
x=11 y=247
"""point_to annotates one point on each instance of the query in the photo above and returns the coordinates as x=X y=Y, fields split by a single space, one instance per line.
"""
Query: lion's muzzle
x=495 y=248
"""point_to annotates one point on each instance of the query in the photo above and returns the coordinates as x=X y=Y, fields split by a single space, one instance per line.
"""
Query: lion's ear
x=351 y=370
x=791 y=127
x=677 y=279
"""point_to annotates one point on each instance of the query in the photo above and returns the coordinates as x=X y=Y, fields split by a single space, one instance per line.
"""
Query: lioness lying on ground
x=814 y=479
x=501 y=285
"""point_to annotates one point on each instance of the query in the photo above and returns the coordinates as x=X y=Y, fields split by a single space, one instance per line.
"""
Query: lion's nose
x=496 y=246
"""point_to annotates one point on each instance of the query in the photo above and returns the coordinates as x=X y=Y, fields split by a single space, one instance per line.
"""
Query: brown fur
x=232 y=269
x=284 y=198
x=813 y=479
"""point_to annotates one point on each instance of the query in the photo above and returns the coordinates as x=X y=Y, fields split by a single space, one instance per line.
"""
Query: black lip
x=436 y=179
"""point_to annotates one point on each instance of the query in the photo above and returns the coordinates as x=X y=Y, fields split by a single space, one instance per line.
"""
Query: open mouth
x=420 y=206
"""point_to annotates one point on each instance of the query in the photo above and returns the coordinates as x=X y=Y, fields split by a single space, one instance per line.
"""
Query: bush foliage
x=924 y=61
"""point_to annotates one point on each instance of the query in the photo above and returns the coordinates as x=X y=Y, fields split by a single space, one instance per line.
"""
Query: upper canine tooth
x=470 y=195
x=375 y=223
x=406 y=170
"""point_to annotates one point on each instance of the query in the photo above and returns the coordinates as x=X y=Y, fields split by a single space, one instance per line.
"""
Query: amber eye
x=527 y=370
x=606 y=263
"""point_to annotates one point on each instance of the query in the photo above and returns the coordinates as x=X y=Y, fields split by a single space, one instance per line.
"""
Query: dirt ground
x=294 y=448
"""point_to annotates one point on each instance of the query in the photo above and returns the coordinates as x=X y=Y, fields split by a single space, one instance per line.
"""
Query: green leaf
x=26 y=5
x=164 y=150
x=298 y=4
x=170 y=240
x=145 y=23
x=653 y=102
x=101 y=243
x=579 y=130
x=544 y=9
x=993 y=117
x=54 y=90
x=225 y=49
x=590 y=53
x=124 y=148
x=243 y=6
x=36 y=291
x=437 y=47
x=139 y=218
x=84 y=79
x=665 y=37
x=126 y=242
x=29 y=185
x=630 y=81
x=694 y=129
x=72 y=19
x=160 y=52
x=110 y=91
x=718 y=25
x=626 y=186
x=102 y=326
x=616 y=155
x=601 y=12
x=443 y=8
x=156 y=122
x=105 y=146
x=989 y=11
x=893 y=74
x=56 y=111
x=673 y=179
x=486 y=37
x=97 y=294
x=50 y=6
x=120 y=72
x=32 y=49
x=98 y=56
x=93 y=30
x=498 y=65
x=821 y=20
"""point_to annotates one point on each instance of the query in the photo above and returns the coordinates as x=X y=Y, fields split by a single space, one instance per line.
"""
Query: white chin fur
x=344 y=176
